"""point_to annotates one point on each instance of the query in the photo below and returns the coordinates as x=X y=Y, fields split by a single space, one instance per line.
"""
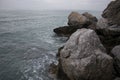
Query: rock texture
x=106 y=30
x=84 y=58
x=112 y=12
x=109 y=35
x=76 y=19
x=116 y=54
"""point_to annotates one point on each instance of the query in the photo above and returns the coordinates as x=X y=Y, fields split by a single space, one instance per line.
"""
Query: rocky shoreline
x=92 y=51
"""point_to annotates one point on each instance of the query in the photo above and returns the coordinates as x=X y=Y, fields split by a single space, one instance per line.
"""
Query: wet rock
x=76 y=19
x=116 y=53
x=112 y=12
x=53 y=70
x=84 y=57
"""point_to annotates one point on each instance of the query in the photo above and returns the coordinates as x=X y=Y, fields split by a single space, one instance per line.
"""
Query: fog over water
x=53 y=4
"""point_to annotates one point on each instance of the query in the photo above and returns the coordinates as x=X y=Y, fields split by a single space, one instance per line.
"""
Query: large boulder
x=116 y=53
x=76 y=19
x=112 y=12
x=83 y=57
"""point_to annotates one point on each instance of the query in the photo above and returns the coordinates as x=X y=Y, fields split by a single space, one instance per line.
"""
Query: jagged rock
x=84 y=57
x=76 y=19
x=116 y=53
x=89 y=16
x=112 y=12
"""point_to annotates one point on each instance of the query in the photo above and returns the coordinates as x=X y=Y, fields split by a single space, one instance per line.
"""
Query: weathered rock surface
x=84 y=58
x=76 y=19
x=116 y=53
x=112 y=12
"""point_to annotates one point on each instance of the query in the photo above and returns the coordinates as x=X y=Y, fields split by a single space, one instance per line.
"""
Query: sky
x=54 y=4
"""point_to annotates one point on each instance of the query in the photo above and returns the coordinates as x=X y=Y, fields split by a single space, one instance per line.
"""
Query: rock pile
x=76 y=21
x=93 y=49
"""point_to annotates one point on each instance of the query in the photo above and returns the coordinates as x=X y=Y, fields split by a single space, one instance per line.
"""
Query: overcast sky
x=54 y=4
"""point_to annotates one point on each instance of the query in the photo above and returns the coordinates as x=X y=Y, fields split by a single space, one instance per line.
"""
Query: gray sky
x=54 y=4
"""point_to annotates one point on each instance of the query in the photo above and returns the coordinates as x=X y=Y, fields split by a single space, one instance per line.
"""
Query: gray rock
x=105 y=29
x=116 y=53
x=76 y=19
x=117 y=79
x=102 y=23
x=84 y=57
x=112 y=12
x=109 y=35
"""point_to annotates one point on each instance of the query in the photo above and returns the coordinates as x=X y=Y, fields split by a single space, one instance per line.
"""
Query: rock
x=65 y=30
x=117 y=79
x=76 y=19
x=84 y=57
x=112 y=12
x=116 y=53
x=110 y=34
x=102 y=27
x=68 y=30
x=92 y=26
x=102 y=23
x=53 y=70
x=107 y=30
x=89 y=16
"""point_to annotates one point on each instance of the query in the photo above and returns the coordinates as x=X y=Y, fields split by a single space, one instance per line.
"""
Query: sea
x=28 y=44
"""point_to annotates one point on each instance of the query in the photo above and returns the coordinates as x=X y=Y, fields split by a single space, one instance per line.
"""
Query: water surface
x=28 y=44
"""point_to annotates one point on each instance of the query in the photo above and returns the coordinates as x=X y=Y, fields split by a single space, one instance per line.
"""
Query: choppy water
x=28 y=44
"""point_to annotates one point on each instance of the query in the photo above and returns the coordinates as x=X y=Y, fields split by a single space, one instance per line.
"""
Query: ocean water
x=28 y=44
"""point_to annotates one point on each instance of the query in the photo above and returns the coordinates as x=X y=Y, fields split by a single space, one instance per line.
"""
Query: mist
x=53 y=4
